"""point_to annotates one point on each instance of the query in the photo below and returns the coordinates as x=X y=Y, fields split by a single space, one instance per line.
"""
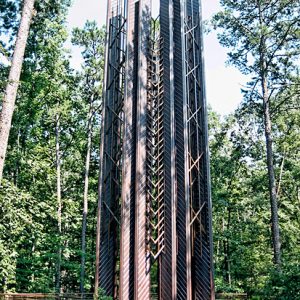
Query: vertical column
x=204 y=288
x=197 y=163
x=111 y=152
x=106 y=272
x=184 y=288
x=187 y=138
x=101 y=161
x=142 y=274
x=194 y=127
x=167 y=278
x=155 y=180
x=194 y=268
x=129 y=158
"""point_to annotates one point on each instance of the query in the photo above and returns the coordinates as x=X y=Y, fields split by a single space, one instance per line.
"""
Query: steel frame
x=111 y=154
x=155 y=146
x=197 y=160
x=154 y=236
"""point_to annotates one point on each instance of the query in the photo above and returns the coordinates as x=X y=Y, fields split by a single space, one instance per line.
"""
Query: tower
x=154 y=217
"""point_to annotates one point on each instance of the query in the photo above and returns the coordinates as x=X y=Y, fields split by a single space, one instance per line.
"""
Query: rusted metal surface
x=167 y=262
x=179 y=99
x=142 y=274
x=198 y=194
x=194 y=262
x=155 y=208
x=112 y=152
x=129 y=159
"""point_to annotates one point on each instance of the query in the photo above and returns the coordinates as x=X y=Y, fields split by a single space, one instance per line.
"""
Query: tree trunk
x=280 y=176
x=271 y=174
x=10 y=94
x=227 y=266
x=17 y=163
x=85 y=197
x=269 y=147
x=58 y=191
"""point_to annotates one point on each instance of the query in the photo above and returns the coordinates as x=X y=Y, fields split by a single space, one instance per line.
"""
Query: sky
x=223 y=83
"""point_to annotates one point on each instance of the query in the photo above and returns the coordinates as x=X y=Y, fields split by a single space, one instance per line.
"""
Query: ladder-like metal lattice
x=197 y=159
x=112 y=157
x=155 y=145
x=154 y=217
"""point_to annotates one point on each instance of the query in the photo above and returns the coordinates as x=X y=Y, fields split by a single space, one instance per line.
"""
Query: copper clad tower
x=154 y=236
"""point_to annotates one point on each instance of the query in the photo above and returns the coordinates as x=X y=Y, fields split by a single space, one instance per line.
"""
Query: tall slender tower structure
x=154 y=217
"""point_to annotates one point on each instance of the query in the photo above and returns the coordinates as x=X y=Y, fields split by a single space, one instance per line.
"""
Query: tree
x=58 y=192
x=10 y=95
x=264 y=37
x=48 y=89
x=91 y=39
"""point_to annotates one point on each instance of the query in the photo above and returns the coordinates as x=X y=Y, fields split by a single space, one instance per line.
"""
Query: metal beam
x=168 y=262
x=154 y=231
x=129 y=161
x=142 y=274
x=111 y=152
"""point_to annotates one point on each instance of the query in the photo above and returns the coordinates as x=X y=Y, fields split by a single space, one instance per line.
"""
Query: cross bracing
x=154 y=216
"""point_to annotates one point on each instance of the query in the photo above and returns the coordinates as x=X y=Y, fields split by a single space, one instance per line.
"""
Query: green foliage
x=284 y=285
x=241 y=218
x=19 y=231
x=263 y=41
x=91 y=40
x=102 y=295
x=50 y=88
x=267 y=30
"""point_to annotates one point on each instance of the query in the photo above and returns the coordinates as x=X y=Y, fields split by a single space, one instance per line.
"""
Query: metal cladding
x=154 y=236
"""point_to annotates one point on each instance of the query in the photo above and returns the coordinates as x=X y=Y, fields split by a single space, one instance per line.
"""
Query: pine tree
x=8 y=104
x=264 y=37
x=91 y=39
